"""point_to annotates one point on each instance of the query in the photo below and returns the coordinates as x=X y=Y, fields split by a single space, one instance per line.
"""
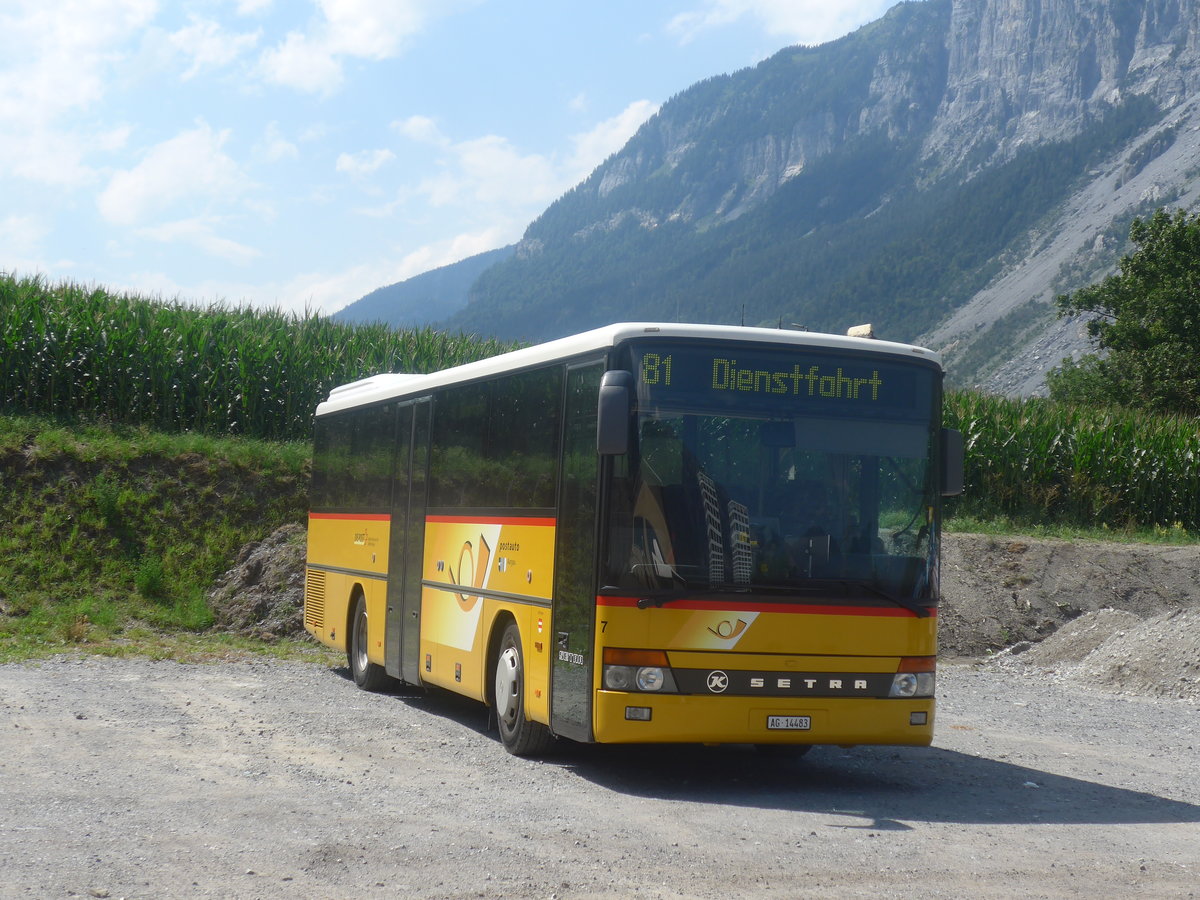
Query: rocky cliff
x=973 y=80
x=1028 y=71
x=746 y=189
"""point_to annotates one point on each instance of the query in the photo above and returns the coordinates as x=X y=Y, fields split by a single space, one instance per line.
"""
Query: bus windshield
x=778 y=494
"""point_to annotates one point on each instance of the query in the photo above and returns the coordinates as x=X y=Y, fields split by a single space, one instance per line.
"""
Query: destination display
x=788 y=378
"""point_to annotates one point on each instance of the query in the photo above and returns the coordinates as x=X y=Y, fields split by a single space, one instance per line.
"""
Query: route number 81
x=656 y=369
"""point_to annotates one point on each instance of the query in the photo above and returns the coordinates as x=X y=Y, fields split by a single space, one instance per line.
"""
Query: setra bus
x=645 y=533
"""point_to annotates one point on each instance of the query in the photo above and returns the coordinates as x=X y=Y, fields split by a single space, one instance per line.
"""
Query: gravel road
x=136 y=778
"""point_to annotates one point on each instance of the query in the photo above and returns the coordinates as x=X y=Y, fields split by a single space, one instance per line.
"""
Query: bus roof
x=380 y=388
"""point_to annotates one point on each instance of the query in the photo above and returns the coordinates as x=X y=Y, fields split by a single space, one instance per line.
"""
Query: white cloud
x=57 y=53
x=316 y=131
x=56 y=58
x=54 y=53
x=302 y=63
x=311 y=60
x=373 y=29
x=208 y=45
x=421 y=129
x=324 y=292
x=364 y=163
x=189 y=168
x=800 y=21
x=274 y=147
x=493 y=183
x=47 y=155
x=491 y=170
x=114 y=139
x=490 y=173
x=606 y=138
x=199 y=233
x=455 y=249
x=20 y=239
x=317 y=291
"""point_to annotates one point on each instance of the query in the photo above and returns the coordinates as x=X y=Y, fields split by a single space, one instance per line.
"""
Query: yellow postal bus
x=645 y=533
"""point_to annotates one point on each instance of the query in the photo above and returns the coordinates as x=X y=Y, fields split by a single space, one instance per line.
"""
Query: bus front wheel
x=520 y=736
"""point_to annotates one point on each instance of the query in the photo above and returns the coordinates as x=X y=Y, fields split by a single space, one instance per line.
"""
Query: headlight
x=912 y=684
x=650 y=678
x=618 y=678
x=638 y=671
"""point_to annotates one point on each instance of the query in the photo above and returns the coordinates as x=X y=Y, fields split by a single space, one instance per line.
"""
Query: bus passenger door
x=574 y=604
x=407 y=543
x=410 y=663
x=396 y=548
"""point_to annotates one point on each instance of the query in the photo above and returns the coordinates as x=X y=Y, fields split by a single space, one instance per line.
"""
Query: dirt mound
x=1113 y=649
x=263 y=594
x=998 y=591
x=1118 y=616
x=1077 y=640
x=1160 y=656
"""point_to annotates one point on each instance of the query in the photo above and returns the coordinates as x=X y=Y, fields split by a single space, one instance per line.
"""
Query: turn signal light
x=615 y=656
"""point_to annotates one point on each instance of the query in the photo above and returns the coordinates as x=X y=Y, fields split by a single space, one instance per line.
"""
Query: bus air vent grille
x=314 y=599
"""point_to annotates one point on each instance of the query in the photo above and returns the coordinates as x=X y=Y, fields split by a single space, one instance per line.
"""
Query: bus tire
x=367 y=675
x=520 y=736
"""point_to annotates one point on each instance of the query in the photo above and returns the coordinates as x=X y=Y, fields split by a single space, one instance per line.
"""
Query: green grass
x=110 y=531
x=1005 y=526
x=180 y=646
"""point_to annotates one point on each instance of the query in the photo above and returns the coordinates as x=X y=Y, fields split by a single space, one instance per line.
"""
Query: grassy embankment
x=113 y=533
x=143 y=443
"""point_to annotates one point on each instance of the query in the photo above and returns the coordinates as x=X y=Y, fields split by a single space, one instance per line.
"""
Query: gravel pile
x=1118 y=650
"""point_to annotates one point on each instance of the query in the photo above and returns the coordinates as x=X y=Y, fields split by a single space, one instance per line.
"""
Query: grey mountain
x=424 y=299
x=942 y=172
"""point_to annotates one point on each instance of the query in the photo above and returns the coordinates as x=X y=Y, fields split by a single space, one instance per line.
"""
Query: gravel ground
x=136 y=778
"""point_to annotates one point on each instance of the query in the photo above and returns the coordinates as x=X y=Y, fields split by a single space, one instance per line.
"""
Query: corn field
x=73 y=352
x=1038 y=461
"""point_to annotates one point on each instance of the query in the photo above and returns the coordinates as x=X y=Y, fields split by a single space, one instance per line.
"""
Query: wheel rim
x=360 y=641
x=508 y=686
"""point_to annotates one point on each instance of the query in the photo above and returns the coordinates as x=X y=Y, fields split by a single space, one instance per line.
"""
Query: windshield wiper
x=686 y=590
x=920 y=612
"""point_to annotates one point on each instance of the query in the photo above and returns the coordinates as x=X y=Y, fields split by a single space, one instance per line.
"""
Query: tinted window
x=353 y=457
x=495 y=444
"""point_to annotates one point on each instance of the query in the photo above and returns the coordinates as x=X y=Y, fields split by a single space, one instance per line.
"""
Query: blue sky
x=300 y=154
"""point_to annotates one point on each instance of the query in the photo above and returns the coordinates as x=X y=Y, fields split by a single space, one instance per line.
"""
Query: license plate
x=789 y=723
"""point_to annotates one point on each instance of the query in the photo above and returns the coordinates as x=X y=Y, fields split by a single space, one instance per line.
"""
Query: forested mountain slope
x=941 y=172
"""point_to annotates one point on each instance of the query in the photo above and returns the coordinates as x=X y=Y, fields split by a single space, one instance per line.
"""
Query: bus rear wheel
x=520 y=736
x=367 y=675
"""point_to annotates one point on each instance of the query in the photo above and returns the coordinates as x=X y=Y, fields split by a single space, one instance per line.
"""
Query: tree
x=1146 y=317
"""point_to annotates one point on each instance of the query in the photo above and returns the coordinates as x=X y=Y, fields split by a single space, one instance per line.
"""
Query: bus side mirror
x=613 y=413
x=953 y=462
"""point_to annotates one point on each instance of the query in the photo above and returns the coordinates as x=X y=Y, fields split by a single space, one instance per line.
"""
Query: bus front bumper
x=623 y=718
